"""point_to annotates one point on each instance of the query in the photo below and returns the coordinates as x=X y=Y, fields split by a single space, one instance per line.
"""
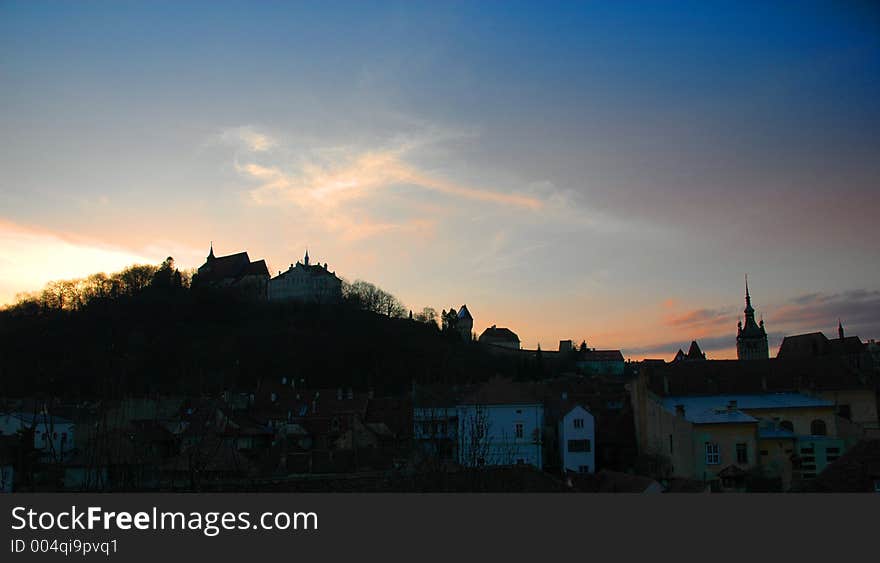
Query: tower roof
x=464 y=314
x=694 y=353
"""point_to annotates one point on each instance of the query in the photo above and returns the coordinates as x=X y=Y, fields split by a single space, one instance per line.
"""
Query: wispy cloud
x=355 y=192
x=356 y=175
x=248 y=138
x=702 y=318
x=858 y=308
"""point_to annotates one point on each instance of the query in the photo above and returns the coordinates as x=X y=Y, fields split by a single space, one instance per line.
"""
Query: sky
x=599 y=171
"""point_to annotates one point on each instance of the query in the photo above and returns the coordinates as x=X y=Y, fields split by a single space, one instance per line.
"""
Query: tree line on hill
x=146 y=330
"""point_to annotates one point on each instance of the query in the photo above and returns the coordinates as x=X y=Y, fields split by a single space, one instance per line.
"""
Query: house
x=577 y=437
x=857 y=471
x=307 y=283
x=849 y=349
x=435 y=421
x=503 y=337
x=233 y=272
x=725 y=422
x=500 y=423
x=53 y=435
x=596 y=362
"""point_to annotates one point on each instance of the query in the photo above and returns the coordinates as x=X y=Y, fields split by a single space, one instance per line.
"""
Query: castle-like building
x=309 y=283
x=233 y=272
x=751 y=338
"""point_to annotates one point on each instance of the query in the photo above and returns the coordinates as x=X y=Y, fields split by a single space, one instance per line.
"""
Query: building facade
x=499 y=336
x=500 y=423
x=307 y=283
x=577 y=439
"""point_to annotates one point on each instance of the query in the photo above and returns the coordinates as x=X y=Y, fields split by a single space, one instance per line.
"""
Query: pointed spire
x=748 y=297
x=306 y=258
x=211 y=252
x=839 y=329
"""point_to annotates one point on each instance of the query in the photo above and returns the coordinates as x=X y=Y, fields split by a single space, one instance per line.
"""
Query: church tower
x=751 y=338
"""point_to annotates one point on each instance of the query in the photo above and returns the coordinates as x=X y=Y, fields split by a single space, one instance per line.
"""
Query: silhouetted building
x=309 y=283
x=751 y=338
x=503 y=337
x=694 y=353
x=465 y=324
x=850 y=349
x=235 y=272
x=594 y=362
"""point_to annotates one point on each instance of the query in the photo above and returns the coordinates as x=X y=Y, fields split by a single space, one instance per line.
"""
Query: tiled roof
x=233 y=266
x=496 y=333
x=750 y=401
x=500 y=391
x=713 y=377
x=601 y=356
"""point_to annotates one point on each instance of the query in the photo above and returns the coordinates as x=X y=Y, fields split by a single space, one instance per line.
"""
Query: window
x=518 y=430
x=520 y=461
x=579 y=445
x=817 y=428
x=583 y=469
x=742 y=453
x=765 y=452
x=713 y=456
x=787 y=425
x=671 y=449
x=844 y=411
x=579 y=423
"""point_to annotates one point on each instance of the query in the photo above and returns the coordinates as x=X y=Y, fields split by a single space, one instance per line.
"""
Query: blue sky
x=606 y=171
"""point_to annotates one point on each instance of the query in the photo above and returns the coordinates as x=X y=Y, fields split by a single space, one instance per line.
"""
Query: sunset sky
x=601 y=171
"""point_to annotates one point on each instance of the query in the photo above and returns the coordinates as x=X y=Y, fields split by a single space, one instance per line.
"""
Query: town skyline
x=456 y=155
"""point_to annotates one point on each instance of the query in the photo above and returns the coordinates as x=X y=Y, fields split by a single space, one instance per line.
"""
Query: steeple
x=306 y=259
x=211 y=253
x=751 y=338
x=748 y=310
x=839 y=329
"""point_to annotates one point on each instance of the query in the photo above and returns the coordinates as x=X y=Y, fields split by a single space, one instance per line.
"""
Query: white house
x=577 y=439
x=309 y=283
x=53 y=435
x=500 y=424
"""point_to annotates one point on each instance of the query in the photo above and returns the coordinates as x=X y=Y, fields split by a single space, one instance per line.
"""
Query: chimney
x=679 y=410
